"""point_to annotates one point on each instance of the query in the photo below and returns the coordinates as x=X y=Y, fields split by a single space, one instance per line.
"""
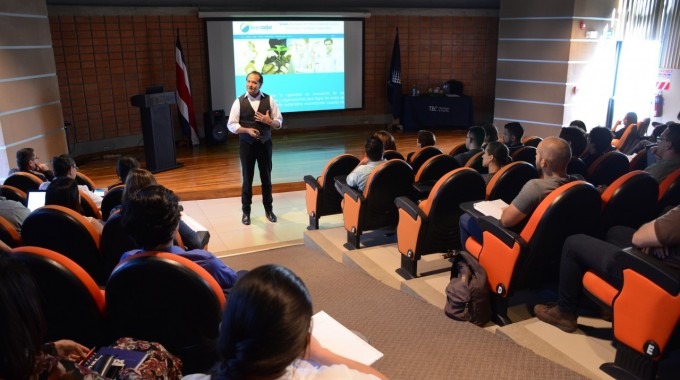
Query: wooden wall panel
x=26 y=62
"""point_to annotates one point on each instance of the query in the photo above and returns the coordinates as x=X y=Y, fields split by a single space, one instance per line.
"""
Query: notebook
x=36 y=199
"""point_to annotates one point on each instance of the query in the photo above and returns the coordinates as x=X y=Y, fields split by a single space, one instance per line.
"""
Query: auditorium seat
x=88 y=207
x=475 y=162
x=526 y=153
x=24 y=181
x=607 y=168
x=431 y=226
x=577 y=167
x=82 y=179
x=629 y=201
x=168 y=299
x=9 y=234
x=321 y=196
x=393 y=155
x=69 y=233
x=458 y=149
x=628 y=140
x=532 y=141
x=639 y=161
x=374 y=207
x=13 y=193
x=111 y=199
x=73 y=304
x=646 y=311
x=421 y=155
x=509 y=180
x=515 y=261
x=669 y=192
x=431 y=171
x=115 y=242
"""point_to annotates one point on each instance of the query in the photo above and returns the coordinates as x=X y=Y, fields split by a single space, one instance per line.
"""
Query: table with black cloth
x=436 y=112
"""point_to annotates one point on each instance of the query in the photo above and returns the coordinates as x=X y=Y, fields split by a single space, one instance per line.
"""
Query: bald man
x=552 y=156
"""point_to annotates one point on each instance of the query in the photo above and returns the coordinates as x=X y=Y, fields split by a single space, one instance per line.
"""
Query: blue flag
x=394 y=79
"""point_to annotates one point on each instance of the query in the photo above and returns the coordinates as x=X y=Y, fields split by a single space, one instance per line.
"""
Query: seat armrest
x=493 y=225
x=312 y=182
x=352 y=192
x=469 y=207
x=412 y=209
x=422 y=190
x=665 y=276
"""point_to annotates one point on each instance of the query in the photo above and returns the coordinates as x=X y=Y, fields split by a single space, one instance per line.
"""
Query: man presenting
x=252 y=116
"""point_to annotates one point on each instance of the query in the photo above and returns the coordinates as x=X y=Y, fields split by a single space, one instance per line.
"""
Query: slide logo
x=247 y=27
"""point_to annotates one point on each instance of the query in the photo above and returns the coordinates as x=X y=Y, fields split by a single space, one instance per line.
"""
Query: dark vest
x=247 y=118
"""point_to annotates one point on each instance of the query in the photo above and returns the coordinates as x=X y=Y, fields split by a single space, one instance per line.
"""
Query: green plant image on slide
x=278 y=63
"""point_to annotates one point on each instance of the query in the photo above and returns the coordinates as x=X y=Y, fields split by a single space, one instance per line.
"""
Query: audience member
x=424 y=139
x=63 y=191
x=473 y=142
x=659 y=238
x=580 y=125
x=123 y=167
x=65 y=166
x=22 y=352
x=374 y=157
x=552 y=156
x=266 y=333
x=491 y=133
x=512 y=136
x=599 y=143
x=13 y=211
x=23 y=355
x=387 y=139
x=138 y=179
x=630 y=118
x=667 y=152
x=151 y=217
x=496 y=155
x=28 y=162
x=577 y=139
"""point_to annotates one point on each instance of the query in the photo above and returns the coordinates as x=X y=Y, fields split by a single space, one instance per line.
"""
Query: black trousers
x=582 y=253
x=260 y=152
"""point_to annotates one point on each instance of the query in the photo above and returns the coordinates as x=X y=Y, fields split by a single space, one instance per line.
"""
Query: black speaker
x=215 y=123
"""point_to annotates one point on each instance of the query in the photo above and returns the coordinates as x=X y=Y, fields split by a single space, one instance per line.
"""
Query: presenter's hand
x=254 y=133
x=263 y=118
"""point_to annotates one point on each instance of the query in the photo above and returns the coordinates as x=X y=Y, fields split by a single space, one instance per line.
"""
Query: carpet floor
x=418 y=340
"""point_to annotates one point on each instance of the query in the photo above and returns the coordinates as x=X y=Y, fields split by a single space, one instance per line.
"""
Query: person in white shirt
x=266 y=333
x=65 y=166
x=374 y=157
x=252 y=117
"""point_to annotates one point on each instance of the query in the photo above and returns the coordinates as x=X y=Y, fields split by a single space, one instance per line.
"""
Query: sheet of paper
x=491 y=208
x=193 y=223
x=341 y=340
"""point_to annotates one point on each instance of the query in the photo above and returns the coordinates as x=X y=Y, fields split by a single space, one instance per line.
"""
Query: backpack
x=467 y=295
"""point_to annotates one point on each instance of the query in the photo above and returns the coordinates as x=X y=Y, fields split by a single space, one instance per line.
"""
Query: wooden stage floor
x=213 y=171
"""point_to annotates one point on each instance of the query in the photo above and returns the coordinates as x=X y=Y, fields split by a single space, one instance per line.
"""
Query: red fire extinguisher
x=658 y=105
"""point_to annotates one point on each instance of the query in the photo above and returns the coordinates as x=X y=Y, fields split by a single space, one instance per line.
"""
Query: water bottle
x=414 y=91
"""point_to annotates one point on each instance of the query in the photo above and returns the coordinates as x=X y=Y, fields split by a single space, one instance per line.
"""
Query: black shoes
x=245 y=219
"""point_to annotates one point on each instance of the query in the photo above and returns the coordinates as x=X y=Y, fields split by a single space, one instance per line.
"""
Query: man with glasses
x=65 y=166
x=28 y=162
x=667 y=153
x=473 y=142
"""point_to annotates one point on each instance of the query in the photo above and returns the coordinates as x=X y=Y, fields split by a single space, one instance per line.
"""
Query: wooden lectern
x=157 y=129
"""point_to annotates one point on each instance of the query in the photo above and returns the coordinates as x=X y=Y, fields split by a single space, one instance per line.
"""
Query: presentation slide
x=303 y=61
x=308 y=65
